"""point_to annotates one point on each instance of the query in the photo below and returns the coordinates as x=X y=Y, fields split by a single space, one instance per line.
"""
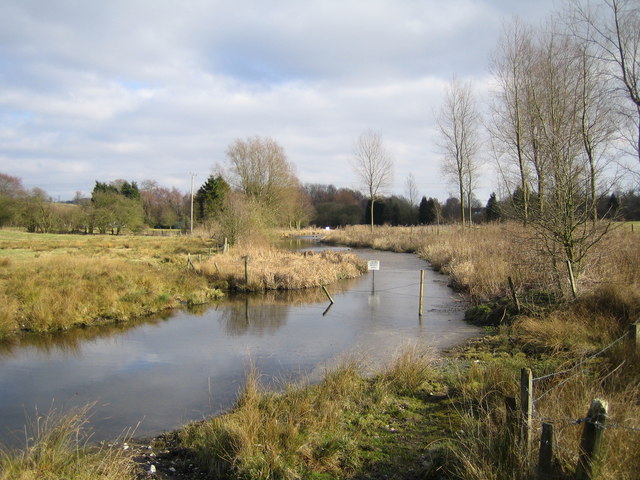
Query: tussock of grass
x=487 y=449
x=306 y=429
x=584 y=326
x=274 y=269
x=57 y=449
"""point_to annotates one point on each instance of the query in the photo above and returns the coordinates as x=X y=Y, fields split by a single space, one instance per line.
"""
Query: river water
x=157 y=374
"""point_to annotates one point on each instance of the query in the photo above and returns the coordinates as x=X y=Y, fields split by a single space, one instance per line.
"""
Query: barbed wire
x=579 y=364
x=579 y=421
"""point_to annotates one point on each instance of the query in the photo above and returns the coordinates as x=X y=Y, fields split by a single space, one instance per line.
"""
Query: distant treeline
x=121 y=205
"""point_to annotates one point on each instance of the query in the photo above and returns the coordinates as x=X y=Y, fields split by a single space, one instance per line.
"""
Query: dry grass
x=487 y=449
x=57 y=292
x=305 y=428
x=581 y=340
x=273 y=269
x=479 y=260
x=57 y=449
x=54 y=282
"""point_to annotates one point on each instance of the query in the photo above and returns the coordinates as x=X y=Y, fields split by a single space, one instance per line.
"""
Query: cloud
x=158 y=89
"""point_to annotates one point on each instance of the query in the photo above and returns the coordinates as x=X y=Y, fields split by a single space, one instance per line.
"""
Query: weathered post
x=246 y=269
x=591 y=441
x=634 y=337
x=545 y=459
x=526 y=407
x=514 y=296
x=421 y=291
x=326 y=292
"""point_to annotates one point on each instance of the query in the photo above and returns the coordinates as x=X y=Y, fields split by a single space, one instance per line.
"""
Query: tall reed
x=274 y=269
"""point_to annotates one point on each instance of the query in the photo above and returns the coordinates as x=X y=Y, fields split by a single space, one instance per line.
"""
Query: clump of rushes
x=318 y=431
x=275 y=269
x=57 y=449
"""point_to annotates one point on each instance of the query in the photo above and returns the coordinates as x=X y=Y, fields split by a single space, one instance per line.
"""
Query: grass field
x=52 y=282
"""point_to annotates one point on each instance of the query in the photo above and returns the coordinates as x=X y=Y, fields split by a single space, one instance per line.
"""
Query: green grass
x=340 y=428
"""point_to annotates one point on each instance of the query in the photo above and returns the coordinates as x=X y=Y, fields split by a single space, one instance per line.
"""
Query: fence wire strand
x=576 y=366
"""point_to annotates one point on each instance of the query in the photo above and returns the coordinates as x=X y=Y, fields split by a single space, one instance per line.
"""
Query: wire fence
x=582 y=362
x=594 y=424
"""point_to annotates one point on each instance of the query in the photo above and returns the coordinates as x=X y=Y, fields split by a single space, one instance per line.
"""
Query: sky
x=158 y=89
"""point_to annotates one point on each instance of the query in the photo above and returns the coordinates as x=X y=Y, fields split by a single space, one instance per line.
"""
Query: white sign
x=373 y=265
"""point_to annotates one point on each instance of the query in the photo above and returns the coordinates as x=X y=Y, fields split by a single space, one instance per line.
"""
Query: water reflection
x=71 y=341
x=167 y=370
x=238 y=313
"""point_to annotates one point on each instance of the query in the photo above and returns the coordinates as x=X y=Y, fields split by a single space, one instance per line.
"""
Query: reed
x=274 y=269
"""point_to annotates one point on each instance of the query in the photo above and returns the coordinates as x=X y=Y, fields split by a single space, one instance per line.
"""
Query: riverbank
x=421 y=418
x=54 y=282
x=451 y=422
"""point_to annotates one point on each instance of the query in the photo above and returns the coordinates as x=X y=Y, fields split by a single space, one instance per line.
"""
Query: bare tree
x=373 y=165
x=596 y=112
x=568 y=130
x=459 y=124
x=613 y=26
x=510 y=67
x=412 y=190
x=260 y=170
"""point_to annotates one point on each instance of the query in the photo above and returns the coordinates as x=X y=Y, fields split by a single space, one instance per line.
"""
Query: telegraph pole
x=193 y=175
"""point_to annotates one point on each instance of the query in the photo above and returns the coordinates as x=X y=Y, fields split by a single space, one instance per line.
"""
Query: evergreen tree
x=210 y=197
x=423 y=211
x=130 y=190
x=492 y=210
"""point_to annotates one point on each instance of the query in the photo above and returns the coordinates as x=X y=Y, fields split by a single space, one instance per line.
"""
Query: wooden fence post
x=526 y=407
x=246 y=269
x=326 y=292
x=634 y=337
x=591 y=439
x=514 y=296
x=545 y=459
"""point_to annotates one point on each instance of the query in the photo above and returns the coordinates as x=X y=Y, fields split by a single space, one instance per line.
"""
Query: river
x=157 y=374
